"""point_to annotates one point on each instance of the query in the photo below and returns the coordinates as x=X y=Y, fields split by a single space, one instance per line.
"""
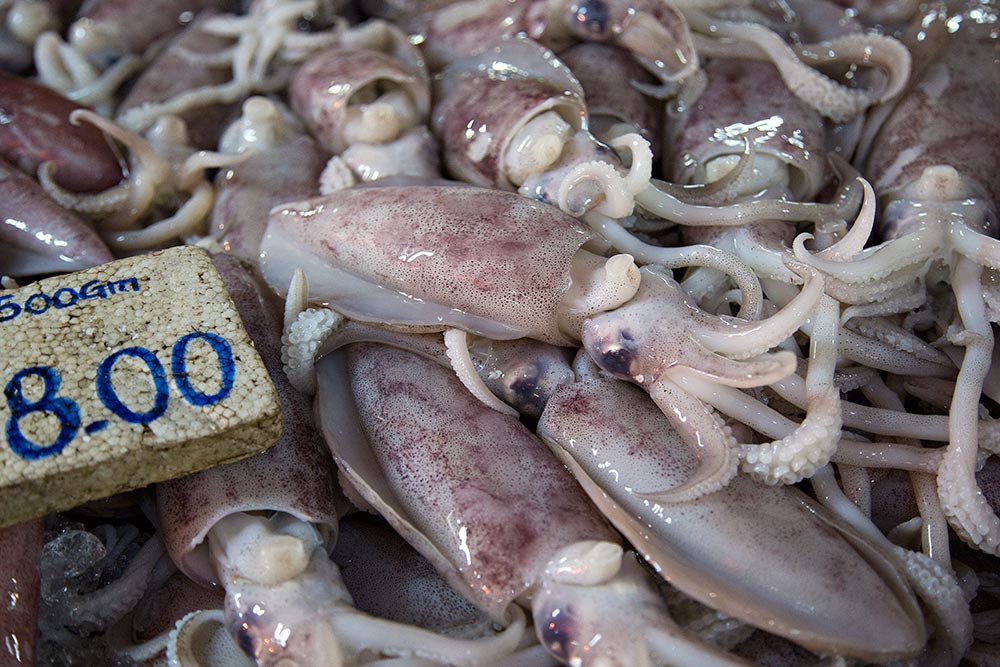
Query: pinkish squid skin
x=389 y=579
x=20 y=547
x=618 y=444
x=39 y=236
x=748 y=100
x=36 y=129
x=655 y=32
x=601 y=69
x=178 y=69
x=486 y=106
x=110 y=28
x=295 y=476
x=472 y=489
x=245 y=192
x=160 y=609
x=322 y=88
x=430 y=255
x=478 y=113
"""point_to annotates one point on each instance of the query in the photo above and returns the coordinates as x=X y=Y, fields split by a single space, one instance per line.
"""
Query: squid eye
x=247 y=638
x=556 y=634
x=591 y=19
x=618 y=357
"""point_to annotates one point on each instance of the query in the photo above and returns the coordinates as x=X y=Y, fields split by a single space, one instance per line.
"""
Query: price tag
x=126 y=374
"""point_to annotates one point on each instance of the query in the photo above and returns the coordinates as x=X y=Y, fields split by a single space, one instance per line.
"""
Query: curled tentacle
x=809 y=447
x=147 y=170
x=696 y=255
x=457 y=344
x=965 y=506
x=702 y=429
x=876 y=263
x=832 y=99
x=96 y=204
x=300 y=343
x=856 y=238
x=743 y=340
x=577 y=195
x=720 y=191
x=667 y=206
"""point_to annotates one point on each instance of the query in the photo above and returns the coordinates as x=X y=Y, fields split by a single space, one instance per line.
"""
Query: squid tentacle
x=810 y=446
x=699 y=426
x=147 y=170
x=695 y=255
x=834 y=100
x=965 y=506
x=744 y=340
x=457 y=345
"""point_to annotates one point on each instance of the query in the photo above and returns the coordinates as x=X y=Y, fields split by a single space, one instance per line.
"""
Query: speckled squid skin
x=950 y=117
x=38 y=235
x=761 y=554
x=602 y=71
x=495 y=261
x=159 y=610
x=483 y=100
x=478 y=118
x=389 y=579
x=294 y=476
x=20 y=549
x=134 y=26
x=245 y=192
x=177 y=69
x=321 y=88
x=462 y=29
x=36 y=129
x=748 y=98
x=477 y=482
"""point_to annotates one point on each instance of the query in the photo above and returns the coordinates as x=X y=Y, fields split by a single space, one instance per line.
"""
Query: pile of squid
x=607 y=332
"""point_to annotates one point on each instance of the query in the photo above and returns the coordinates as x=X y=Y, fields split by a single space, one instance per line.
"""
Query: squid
x=37 y=130
x=437 y=273
x=614 y=110
x=478 y=517
x=619 y=447
x=165 y=173
x=514 y=117
x=655 y=33
x=180 y=66
x=268 y=543
x=820 y=35
x=368 y=89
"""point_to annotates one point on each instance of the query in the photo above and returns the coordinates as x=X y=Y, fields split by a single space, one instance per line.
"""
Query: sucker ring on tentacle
x=967 y=510
x=798 y=455
x=833 y=100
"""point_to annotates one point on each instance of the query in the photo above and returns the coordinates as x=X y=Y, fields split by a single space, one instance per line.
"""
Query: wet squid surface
x=608 y=332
